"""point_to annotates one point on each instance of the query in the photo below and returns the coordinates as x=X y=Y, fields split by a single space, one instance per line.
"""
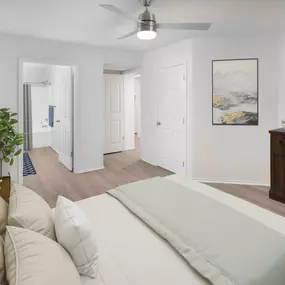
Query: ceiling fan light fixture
x=146 y=35
x=146 y=26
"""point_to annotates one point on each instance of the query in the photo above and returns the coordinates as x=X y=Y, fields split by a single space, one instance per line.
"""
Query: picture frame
x=235 y=92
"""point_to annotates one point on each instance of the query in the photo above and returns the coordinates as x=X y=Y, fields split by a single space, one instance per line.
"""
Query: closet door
x=171 y=119
x=113 y=113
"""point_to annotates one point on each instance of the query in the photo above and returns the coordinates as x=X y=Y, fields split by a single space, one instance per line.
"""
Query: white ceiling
x=83 y=21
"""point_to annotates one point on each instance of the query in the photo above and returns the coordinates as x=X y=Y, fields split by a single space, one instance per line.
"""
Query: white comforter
x=131 y=253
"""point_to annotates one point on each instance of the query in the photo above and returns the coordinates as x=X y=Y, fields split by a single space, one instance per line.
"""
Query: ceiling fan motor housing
x=147 y=21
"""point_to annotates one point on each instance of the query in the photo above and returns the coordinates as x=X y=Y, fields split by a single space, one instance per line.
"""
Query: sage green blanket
x=223 y=245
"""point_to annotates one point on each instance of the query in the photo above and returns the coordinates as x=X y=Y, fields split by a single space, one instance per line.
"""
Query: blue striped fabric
x=28 y=167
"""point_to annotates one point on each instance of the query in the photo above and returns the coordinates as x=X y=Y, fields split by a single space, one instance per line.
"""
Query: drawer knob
x=281 y=142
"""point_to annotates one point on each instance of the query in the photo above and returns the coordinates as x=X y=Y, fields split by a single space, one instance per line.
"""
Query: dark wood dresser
x=277 y=145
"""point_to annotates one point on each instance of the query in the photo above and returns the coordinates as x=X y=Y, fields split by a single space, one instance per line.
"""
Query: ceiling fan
x=147 y=25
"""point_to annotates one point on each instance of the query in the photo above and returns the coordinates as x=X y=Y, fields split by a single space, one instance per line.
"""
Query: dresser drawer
x=278 y=144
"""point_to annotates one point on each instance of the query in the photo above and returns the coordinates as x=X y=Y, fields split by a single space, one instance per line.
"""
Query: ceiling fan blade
x=145 y=2
x=118 y=11
x=184 y=26
x=128 y=35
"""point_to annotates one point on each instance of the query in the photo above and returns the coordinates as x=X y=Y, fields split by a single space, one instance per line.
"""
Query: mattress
x=131 y=253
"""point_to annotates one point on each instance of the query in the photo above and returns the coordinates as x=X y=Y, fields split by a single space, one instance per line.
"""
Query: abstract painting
x=235 y=92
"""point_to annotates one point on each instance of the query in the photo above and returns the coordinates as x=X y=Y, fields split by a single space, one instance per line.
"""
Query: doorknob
x=58 y=121
x=158 y=123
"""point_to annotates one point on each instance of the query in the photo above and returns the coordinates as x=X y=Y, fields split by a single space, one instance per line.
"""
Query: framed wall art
x=235 y=92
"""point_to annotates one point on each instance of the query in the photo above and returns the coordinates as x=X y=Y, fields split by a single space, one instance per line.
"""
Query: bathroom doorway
x=47 y=116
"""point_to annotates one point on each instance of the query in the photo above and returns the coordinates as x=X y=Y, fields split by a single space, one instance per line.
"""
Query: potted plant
x=283 y=124
x=10 y=142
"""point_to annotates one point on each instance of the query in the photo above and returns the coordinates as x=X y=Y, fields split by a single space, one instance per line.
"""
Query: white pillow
x=75 y=234
x=30 y=211
x=2 y=261
x=32 y=258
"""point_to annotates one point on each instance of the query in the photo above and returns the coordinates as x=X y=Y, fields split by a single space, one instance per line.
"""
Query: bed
x=132 y=253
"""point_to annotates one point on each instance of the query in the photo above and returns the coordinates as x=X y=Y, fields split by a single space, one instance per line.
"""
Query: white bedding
x=131 y=253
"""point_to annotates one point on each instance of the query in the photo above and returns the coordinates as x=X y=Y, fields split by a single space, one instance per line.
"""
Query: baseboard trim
x=231 y=182
x=90 y=169
x=129 y=149
x=145 y=160
x=54 y=149
x=41 y=146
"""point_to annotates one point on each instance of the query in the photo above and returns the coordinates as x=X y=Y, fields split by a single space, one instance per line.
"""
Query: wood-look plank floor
x=258 y=195
x=54 y=179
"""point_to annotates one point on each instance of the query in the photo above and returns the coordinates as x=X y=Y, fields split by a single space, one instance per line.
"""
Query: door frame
x=186 y=115
x=119 y=73
x=74 y=99
x=137 y=77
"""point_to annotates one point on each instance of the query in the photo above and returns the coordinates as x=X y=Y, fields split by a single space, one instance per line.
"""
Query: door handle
x=158 y=123
x=58 y=121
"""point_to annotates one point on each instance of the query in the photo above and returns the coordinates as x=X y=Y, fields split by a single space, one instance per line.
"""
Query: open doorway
x=122 y=112
x=114 y=112
x=46 y=116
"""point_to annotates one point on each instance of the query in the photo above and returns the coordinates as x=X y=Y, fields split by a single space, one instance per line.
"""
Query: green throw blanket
x=223 y=245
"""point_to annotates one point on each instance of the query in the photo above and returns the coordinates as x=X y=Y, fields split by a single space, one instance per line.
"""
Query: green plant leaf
x=6 y=116
x=19 y=142
x=9 y=138
x=13 y=121
x=18 y=152
x=4 y=109
x=4 y=134
x=6 y=159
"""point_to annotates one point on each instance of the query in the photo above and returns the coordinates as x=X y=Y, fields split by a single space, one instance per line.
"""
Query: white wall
x=40 y=103
x=35 y=72
x=41 y=129
x=42 y=139
x=216 y=153
x=281 y=85
x=234 y=153
x=89 y=117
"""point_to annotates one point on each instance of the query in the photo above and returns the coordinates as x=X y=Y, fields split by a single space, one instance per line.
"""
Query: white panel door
x=113 y=113
x=137 y=107
x=171 y=119
x=63 y=85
